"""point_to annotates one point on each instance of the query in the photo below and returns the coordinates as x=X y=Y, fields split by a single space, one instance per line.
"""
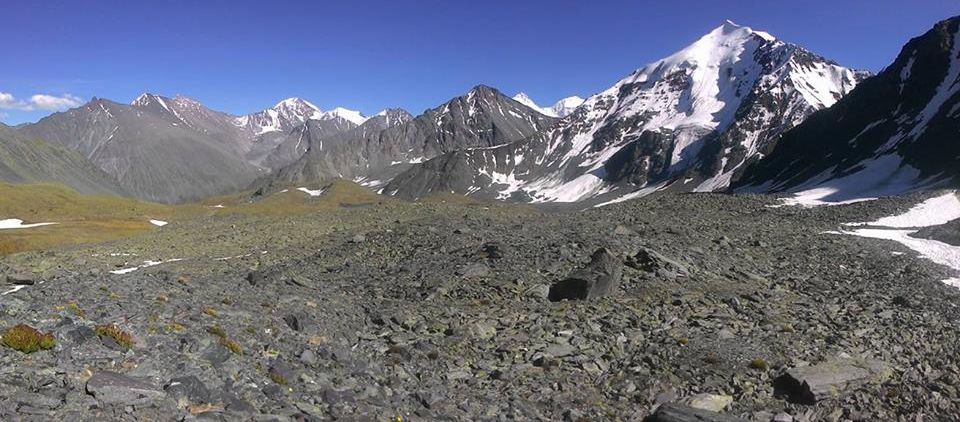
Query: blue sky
x=243 y=56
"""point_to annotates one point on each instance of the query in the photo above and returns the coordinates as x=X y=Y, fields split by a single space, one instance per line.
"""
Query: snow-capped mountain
x=895 y=133
x=282 y=117
x=351 y=116
x=561 y=108
x=696 y=118
x=565 y=106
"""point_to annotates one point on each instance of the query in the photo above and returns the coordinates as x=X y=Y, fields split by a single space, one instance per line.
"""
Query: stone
x=476 y=269
x=308 y=357
x=674 y=412
x=113 y=388
x=188 y=387
x=359 y=238
x=597 y=279
x=834 y=378
x=21 y=279
x=255 y=277
x=651 y=261
x=782 y=417
x=711 y=402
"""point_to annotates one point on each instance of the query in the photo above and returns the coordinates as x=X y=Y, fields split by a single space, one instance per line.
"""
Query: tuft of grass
x=217 y=331
x=278 y=379
x=27 y=339
x=225 y=341
x=231 y=345
x=73 y=308
x=174 y=327
x=122 y=338
x=759 y=364
x=211 y=312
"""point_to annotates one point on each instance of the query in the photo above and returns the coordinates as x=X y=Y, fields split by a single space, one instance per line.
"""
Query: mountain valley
x=743 y=230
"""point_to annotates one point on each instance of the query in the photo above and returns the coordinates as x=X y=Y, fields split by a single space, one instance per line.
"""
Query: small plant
x=27 y=339
x=711 y=358
x=224 y=340
x=231 y=346
x=683 y=341
x=122 y=338
x=211 y=312
x=217 y=331
x=162 y=298
x=73 y=308
x=759 y=364
x=277 y=378
x=174 y=327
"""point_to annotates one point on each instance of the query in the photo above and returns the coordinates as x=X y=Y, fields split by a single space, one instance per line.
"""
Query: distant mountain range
x=737 y=109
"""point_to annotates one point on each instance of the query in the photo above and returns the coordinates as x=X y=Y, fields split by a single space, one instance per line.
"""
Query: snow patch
x=310 y=192
x=932 y=212
x=146 y=264
x=16 y=223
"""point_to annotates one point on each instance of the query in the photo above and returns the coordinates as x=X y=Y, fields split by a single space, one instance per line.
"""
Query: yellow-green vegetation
x=73 y=308
x=80 y=218
x=225 y=341
x=27 y=339
x=211 y=312
x=217 y=331
x=174 y=327
x=278 y=379
x=231 y=345
x=122 y=338
x=83 y=219
x=759 y=364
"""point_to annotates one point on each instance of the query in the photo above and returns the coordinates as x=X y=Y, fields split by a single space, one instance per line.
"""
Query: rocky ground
x=451 y=312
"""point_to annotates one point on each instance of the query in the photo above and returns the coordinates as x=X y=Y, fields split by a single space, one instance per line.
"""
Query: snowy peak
x=292 y=112
x=351 y=116
x=524 y=99
x=561 y=108
x=297 y=109
x=565 y=106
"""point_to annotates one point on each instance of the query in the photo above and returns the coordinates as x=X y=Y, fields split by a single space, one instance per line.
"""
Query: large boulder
x=811 y=384
x=597 y=279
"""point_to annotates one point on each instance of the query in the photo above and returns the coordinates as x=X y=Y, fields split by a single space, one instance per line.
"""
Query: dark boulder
x=597 y=279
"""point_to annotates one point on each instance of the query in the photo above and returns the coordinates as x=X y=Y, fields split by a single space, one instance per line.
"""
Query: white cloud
x=39 y=102
x=53 y=103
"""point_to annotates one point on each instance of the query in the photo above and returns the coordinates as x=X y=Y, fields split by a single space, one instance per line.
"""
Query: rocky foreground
x=683 y=307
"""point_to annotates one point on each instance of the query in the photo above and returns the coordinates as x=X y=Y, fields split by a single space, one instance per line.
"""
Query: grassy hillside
x=80 y=218
x=92 y=219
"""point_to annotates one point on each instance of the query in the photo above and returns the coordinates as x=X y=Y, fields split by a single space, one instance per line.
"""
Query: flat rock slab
x=811 y=384
x=113 y=388
x=674 y=412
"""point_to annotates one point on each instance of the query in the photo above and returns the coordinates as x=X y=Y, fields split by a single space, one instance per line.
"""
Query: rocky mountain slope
x=437 y=311
x=482 y=118
x=158 y=149
x=894 y=133
x=26 y=160
x=696 y=117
